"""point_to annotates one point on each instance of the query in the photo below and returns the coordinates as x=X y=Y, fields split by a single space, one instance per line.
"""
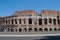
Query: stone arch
x=25 y=29
x=50 y=20
x=50 y=29
x=8 y=29
x=45 y=29
x=30 y=20
x=40 y=21
x=58 y=21
x=55 y=29
x=20 y=21
x=20 y=29
x=54 y=21
x=40 y=29
x=12 y=30
x=58 y=29
x=30 y=29
x=35 y=29
x=45 y=20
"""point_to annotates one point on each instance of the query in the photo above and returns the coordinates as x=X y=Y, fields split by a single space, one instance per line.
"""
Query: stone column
x=37 y=21
x=48 y=22
x=32 y=21
x=5 y=22
x=27 y=22
x=52 y=21
x=56 y=22
x=10 y=21
x=13 y=21
x=21 y=21
x=18 y=21
x=43 y=29
x=42 y=21
x=48 y=29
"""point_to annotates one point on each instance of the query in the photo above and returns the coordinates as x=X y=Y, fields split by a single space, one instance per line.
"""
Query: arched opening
x=12 y=21
x=54 y=21
x=30 y=20
x=40 y=29
x=58 y=21
x=50 y=20
x=45 y=20
x=55 y=29
x=12 y=30
x=40 y=21
x=45 y=29
x=50 y=29
x=8 y=29
x=20 y=21
x=20 y=30
x=57 y=17
x=30 y=29
x=15 y=21
x=35 y=29
x=6 y=21
x=58 y=29
x=25 y=29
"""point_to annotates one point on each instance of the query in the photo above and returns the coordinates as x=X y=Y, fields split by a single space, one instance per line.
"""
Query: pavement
x=29 y=33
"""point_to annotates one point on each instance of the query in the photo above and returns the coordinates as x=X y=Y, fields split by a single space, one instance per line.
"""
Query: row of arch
x=52 y=20
x=27 y=30
x=46 y=21
x=35 y=21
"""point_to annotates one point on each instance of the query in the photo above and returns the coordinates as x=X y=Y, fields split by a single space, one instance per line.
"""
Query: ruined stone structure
x=31 y=21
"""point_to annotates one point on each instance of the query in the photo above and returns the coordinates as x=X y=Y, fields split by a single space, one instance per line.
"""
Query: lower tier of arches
x=28 y=29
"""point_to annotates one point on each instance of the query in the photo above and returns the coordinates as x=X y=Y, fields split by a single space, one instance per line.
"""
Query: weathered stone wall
x=48 y=14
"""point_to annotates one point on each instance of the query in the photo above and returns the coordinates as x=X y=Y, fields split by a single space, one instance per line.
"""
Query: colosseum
x=31 y=21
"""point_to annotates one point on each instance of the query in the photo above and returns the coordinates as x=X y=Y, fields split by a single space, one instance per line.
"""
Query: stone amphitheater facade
x=31 y=21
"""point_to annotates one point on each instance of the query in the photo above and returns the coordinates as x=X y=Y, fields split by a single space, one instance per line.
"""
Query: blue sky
x=8 y=7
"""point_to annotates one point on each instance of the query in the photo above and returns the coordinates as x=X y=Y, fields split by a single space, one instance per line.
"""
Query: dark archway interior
x=40 y=21
x=40 y=29
x=50 y=29
x=30 y=29
x=20 y=30
x=55 y=29
x=35 y=29
x=45 y=29
x=30 y=20
x=54 y=21
x=58 y=21
x=58 y=29
x=8 y=29
x=12 y=30
x=50 y=20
